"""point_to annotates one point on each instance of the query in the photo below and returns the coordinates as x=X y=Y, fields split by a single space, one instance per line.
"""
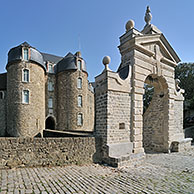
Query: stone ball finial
x=106 y=60
x=129 y=25
x=148 y=16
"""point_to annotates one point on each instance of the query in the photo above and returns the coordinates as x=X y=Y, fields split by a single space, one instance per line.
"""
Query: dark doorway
x=50 y=123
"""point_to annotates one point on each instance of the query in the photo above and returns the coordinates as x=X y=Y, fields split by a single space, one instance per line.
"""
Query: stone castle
x=42 y=92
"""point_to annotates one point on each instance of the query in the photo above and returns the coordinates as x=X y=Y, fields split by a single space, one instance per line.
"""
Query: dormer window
x=25 y=54
x=26 y=75
x=79 y=65
x=50 y=68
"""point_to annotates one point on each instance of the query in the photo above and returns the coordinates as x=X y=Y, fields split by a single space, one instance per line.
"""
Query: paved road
x=159 y=173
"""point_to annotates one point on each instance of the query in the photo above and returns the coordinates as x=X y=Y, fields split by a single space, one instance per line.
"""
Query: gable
x=159 y=46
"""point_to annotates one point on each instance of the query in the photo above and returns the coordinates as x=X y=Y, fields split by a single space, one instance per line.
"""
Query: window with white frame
x=25 y=96
x=79 y=119
x=50 y=103
x=79 y=101
x=50 y=86
x=25 y=54
x=50 y=68
x=1 y=95
x=26 y=75
x=79 y=65
x=79 y=83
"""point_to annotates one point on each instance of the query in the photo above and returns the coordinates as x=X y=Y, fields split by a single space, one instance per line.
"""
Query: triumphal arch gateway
x=127 y=132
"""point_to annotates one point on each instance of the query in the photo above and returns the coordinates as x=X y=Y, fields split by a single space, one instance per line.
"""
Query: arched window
x=25 y=97
x=79 y=119
x=79 y=101
x=79 y=65
x=26 y=75
x=50 y=103
x=25 y=54
x=79 y=83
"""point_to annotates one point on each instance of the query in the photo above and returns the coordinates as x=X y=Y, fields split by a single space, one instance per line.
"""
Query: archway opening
x=50 y=123
x=155 y=114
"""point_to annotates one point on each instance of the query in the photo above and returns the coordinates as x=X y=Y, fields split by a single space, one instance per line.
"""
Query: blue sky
x=55 y=27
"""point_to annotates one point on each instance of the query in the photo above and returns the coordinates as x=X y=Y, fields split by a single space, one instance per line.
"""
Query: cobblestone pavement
x=159 y=173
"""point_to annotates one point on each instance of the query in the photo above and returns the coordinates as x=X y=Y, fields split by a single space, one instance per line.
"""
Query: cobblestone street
x=159 y=173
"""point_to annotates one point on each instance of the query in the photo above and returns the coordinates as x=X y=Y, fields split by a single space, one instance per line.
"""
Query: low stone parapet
x=29 y=152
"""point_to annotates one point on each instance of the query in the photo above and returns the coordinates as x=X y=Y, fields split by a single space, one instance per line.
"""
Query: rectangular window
x=25 y=54
x=50 y=103
x=26 y=75
x=79 y=119
x=26 y=96
x=50 y=86
x=79 y=83
x=79 y=101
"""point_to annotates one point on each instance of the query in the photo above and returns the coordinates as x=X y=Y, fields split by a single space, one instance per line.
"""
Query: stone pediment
x=158 y=47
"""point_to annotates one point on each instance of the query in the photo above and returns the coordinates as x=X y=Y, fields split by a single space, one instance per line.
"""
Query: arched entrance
x=50 y=123
x=155 y=114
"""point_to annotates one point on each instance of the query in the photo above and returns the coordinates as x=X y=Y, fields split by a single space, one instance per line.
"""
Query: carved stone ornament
x=148 y=16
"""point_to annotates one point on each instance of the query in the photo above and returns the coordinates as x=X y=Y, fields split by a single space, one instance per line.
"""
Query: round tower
x=25 y=91
x=72 y=93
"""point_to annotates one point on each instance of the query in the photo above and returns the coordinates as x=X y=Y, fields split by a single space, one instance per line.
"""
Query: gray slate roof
x=68 y=63
x=3 y=81
x=51 y=58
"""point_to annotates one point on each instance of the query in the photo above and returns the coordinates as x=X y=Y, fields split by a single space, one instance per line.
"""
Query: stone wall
x=153 y=124
x=178 y=117
x=29 y=152
x=2 y=117
x=119 y=118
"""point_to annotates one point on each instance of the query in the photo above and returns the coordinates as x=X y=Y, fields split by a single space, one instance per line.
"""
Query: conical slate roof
x=68 y=63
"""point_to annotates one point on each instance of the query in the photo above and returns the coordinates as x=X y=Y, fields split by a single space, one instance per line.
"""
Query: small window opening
x=79 y=119
x=79 y=83
x=79 y=101
x=26 y=75
x=26 y=96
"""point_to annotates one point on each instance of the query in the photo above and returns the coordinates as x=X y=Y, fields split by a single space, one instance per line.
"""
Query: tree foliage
x=147 y=97
x=185 y=73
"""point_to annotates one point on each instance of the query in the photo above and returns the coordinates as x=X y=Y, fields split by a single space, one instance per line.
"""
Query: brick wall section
x=29 y=152
x=2 y=117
